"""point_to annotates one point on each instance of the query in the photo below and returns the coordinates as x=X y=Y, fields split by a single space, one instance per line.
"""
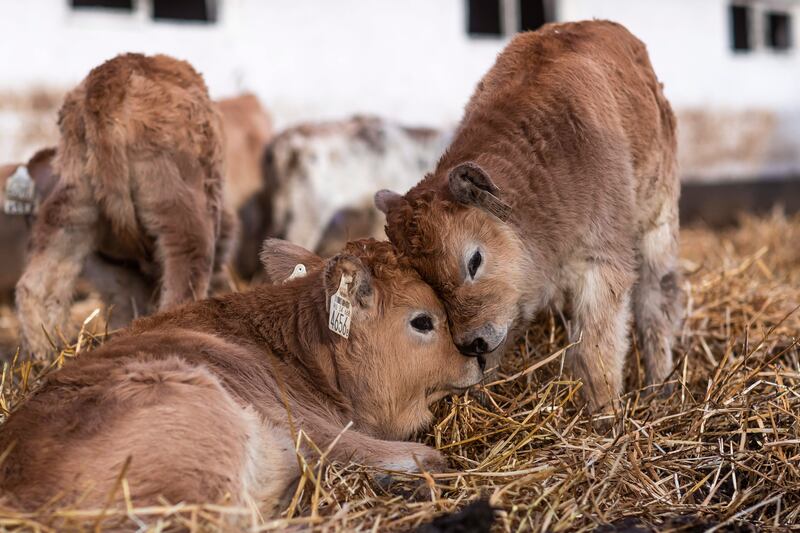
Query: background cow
x=140 y=168
x=248 y=129
x=314 y=173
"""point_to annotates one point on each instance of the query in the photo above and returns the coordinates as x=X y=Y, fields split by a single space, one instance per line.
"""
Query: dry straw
x=721 y=453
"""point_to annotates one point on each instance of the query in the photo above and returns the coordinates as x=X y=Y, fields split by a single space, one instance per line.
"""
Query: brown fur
x=248 y=129
x=570 y=129
x=348 y=224
x=197 y=397
x=141 y=177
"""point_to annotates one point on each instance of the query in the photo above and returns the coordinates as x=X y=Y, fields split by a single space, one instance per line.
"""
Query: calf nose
x=476 y=347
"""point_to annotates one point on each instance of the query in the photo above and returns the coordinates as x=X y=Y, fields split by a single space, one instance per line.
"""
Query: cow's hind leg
x=63 y=235
x=657 y=299
x=174 y=213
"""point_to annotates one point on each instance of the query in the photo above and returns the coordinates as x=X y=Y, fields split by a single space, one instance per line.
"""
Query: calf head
x=398 y=356
x=458 y=241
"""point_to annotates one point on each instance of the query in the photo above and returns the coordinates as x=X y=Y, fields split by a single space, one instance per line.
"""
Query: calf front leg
x=63 y=235
x=601 y=307
x=354 y=446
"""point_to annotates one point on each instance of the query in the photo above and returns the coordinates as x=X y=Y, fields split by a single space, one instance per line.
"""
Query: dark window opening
x=740 y=27
x=484 y=17
x=190 y=10
x=532 y=15
x=779 y=34
x=110 y=4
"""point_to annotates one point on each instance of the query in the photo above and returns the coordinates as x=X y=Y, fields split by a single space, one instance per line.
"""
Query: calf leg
x=657 y=299
x=185 y=244
x=121 y=287
x=174 y=212
x=352 y=445
x=226 y=243
x=601 y=312
x=63 y=235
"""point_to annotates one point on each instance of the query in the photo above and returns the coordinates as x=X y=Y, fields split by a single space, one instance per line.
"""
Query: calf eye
x=422 y=323
x=474 y=263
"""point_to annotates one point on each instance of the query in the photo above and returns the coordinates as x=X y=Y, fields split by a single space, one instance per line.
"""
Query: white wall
x=739 y=113
x=411 y=60
x=689 y=45
x=307 y=59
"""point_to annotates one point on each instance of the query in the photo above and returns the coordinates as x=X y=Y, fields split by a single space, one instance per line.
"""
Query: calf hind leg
x=657 y=300
x=174 y=213
x=185 y=245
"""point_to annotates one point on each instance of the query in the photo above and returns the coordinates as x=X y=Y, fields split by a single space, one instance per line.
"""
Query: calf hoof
x=664 y=390
x=416 y=488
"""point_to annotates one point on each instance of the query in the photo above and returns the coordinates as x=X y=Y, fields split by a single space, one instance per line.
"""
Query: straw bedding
x=721 y=453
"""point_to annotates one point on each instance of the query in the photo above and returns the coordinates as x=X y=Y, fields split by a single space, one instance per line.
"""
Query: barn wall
x=411 y=61
x=739 y=113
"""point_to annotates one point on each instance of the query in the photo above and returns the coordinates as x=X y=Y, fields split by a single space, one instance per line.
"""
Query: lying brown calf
x=140 y=180
x=560 y=186
x=199 y=398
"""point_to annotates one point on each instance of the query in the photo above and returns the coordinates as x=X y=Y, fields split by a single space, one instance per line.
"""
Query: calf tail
x=93 y=148
x=110 y=175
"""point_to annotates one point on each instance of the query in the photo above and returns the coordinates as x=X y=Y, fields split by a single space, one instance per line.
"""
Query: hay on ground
x=722 y=452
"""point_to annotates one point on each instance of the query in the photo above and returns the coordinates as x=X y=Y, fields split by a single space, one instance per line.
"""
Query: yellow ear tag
x=341 y=309
x=298 y=272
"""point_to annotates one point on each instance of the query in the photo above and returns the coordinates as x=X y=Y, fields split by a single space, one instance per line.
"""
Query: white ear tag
x=341 y=309
x=298 y=272
x=20 y=193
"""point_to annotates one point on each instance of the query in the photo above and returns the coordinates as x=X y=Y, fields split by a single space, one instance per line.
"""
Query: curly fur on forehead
x=415 y=226
x=384 y=261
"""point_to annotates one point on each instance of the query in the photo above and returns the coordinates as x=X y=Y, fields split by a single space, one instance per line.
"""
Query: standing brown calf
x=140 y=179
x=207 y=399
x=560 y=186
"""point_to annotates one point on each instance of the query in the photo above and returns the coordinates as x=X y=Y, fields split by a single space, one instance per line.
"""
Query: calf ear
x=470 y=185
x=357 y=286
x=280 y=257
x=386 y=200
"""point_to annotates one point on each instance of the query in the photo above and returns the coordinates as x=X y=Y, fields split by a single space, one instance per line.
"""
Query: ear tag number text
x=341 y=309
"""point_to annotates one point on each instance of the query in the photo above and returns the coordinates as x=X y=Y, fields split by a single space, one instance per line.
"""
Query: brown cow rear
x=207 y=399
x=248 y=129
x=570 y=129
x=141 y=176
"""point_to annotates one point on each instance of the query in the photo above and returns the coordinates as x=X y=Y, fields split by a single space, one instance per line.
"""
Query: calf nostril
x=480 y=345
x=475 y=348
x=482 y=363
